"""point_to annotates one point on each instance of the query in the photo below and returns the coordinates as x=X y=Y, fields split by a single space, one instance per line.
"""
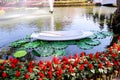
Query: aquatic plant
x=82 y=44
x=78 y=67
x=43 y=52
x=59 y=53
x=19 y=43
x=20 y=54
x=58 y=45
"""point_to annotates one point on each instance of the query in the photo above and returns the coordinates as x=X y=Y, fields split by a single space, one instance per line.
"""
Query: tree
x=116 y=19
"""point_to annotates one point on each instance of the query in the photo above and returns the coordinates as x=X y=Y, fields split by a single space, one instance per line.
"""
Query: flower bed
x=105 y=65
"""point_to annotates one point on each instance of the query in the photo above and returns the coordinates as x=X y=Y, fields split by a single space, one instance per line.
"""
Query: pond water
x=16 y=23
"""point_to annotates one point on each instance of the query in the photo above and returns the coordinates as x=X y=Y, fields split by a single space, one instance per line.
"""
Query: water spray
x=51 y=3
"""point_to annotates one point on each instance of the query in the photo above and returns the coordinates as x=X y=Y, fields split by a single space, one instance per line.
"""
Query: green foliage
x=20 y=53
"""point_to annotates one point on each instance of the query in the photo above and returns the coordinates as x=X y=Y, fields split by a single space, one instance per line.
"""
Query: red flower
x=114 y=55
x=13 y=65
x=118 y=38
x=30 y=69
x=81 y=67
x=82 y=54
x=97 y=55
x=114 y=45
x=76 y=56
x=59 y=73
x=70 y=57
x=70 y=69
x=110 y=49
x=108 y=64
x=91 y=56
x=100 y=65
x=65 y=60
x=31 y=64
x=103 y=59
x=40 y=64
x=55 y=60
x=27 y=76
x=49 y=74
x=44 y=68
x=48 y=64
x=86 y=62
x=90 y=66
x=4 y=75
x=41 y=74
x=2 y=67
x=115 y=63
x=118 y=48
x=39 y=78
x=75 y=63
x=17 y=73
x=64 y=66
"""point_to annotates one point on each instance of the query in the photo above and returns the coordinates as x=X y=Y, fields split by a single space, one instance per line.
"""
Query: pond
x=17 y=23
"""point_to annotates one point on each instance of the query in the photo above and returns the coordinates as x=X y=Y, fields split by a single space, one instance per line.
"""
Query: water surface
x=16 y=23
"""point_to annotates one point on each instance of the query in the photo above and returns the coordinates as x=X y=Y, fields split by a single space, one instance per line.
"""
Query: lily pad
x=43 y=52
x=19 y=43
x=33 y=44
x=71 y=42
x=59 y=52
x=20 y=53
x=59 y=45
x=100 y=35
x=93 y=36
x=82 y=44
x=93 y=42
x=107 y=33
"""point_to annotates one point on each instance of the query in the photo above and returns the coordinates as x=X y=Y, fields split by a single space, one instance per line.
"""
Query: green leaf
x=19 y=54
x=59 y=45
x=93 y=42
x=59 y=53
x=82 y=44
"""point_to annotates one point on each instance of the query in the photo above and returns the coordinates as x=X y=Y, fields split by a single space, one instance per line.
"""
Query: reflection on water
x=32 y=20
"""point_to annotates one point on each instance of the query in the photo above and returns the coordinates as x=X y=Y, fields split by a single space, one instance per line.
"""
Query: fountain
x=51 y=4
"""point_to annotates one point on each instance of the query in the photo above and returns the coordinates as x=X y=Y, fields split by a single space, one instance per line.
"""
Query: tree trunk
x=116 y=19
